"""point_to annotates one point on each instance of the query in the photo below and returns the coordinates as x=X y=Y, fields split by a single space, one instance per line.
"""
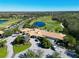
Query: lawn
x=51 y=25
x=8 y=23
x=21 y=47
x=3 y=52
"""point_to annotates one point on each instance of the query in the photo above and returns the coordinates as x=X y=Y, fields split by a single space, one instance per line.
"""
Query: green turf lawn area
x=51 y=25
x=21 y=47
x=3 y=52
x=8 y=23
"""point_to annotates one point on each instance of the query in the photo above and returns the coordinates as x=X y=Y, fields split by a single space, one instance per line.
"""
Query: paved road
x=9 y=46
x=59 y=49
x=11 y=39
x=34 y=47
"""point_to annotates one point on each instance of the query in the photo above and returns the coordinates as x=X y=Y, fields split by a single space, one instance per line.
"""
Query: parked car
x=53 y=48
x=14 y=35
x=71 y=53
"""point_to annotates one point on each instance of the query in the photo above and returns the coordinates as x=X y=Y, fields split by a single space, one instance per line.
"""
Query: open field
x=51 y=25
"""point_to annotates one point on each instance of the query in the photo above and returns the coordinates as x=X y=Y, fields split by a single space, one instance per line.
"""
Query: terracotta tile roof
x=38 y=32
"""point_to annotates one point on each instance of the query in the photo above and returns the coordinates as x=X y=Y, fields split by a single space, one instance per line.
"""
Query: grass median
x=21 y=47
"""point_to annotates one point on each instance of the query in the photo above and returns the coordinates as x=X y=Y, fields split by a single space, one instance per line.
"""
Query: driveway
x=34 y=47
x=9 y=46
x=60 y=50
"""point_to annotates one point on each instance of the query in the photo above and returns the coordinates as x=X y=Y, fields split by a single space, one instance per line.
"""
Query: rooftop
x=38 y=32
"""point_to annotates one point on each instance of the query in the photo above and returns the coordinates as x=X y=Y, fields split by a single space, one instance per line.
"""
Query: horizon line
x=44 y=11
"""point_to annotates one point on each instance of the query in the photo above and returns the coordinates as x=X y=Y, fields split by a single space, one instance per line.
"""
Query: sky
x=39 y=5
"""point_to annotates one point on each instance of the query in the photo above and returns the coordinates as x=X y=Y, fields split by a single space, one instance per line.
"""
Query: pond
x=39 y=24
x=2 y=21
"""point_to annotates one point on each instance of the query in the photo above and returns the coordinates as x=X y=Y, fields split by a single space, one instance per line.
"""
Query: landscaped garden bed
x=20 y=44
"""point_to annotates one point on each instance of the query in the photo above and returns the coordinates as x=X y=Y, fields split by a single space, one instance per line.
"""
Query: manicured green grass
x=21 y=47
x=8 y=23
x=51 y=25
x=3 y=52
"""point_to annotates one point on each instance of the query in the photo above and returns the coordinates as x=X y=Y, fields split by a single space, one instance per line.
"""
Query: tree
x=77 y=50
x=26 y=24
x=70 y=22
x=54 y=55
x=44 y=42
x=71 y=40
x=8 y=33
x=15 y=29
x=2 y=43
x=32 y=54
x=19 y=40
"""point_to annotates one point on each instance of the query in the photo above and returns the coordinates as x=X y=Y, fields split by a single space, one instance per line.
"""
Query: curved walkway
x=9 y=46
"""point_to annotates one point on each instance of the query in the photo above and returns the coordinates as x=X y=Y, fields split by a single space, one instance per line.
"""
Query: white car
x=14 y=35
x=54 y=46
